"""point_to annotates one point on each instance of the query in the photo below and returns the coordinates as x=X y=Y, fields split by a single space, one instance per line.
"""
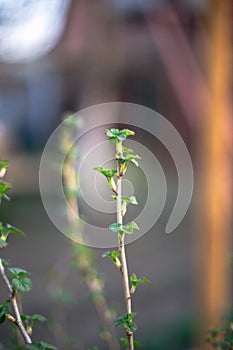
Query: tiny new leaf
x=108 y=173
x=38 y=317
x=127 y=150
x=120 y=135
x=3 y=311
x=3 y=243
x=115 y=227
x=114 y=256
x=17 y=272
x=3 y=167
x=135 y=281
x=4 y=186
x=131 y=199
x=127 y=322
x=130 y=227
x=12 y=229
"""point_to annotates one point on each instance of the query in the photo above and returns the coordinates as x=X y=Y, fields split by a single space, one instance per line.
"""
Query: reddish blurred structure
x=214 y=202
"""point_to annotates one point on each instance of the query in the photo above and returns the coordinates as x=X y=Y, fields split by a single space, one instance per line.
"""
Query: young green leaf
x=127 y=150
x=5 y=262
x=3 y=311
x=17 y=272
x=124 y=342
x=4 y=186
x=115 y=227
x=3 y=167
x=108 y=173
x=114 y=256
x=12 y=229
x=111 y=132
x=123 y=208
x=38 y=317
x=3 y=243
x=130 y=227
x=135 y=281
x=127 y=322
x=120 y=135
x=112 y=184
x=24 y=284
x=131 y=200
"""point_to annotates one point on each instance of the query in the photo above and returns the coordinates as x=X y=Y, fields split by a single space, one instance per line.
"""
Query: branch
x=124 y=268
x=17 y=319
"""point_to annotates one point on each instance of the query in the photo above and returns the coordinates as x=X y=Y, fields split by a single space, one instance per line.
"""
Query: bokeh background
x=172 y=56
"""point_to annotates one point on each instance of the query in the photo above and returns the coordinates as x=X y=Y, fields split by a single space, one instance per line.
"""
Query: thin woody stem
x=124 y=267
x=17 y=319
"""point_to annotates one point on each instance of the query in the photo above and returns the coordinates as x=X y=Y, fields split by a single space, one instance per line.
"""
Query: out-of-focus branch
x=83 y=255
x=17 y=319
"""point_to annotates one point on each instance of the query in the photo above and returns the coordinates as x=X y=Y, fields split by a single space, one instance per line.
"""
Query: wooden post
x=214 y=187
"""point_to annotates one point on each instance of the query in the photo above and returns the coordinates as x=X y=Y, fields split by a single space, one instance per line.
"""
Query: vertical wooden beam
x=214 y=188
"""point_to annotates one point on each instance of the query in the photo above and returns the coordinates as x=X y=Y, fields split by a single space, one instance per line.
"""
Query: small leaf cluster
x=221 y=338
x=114 y=256
x=30 y=321
x=18 y=279
x=127 y=322
x=123 y=156
x=5 y=231
x=125 y=201
x=136 y=281
x=122 y=229
x=4 y=310
x=4 y=186
x=109 y=175
x=115 y=135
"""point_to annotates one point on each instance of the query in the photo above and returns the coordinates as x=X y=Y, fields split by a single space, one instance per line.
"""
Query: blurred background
x=172 y=56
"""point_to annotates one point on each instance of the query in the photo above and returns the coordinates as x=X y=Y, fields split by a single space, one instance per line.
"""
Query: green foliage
x=19 y=282
x=106 y=172
x=127 y=322
x=114 y=256
x=4 y=310
x=135 y=281
x=40 y=345
x=29 y=321
x=17 y=272
x=131 y=200
x=109 y=174
x=221 y=338
x=23 y=284
x=123 y=157
x=3 y=166
x=129 y=158
x=118 y=135
x=5 y=231
x=122 y=229
x=4 y=186
x=125 y=343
